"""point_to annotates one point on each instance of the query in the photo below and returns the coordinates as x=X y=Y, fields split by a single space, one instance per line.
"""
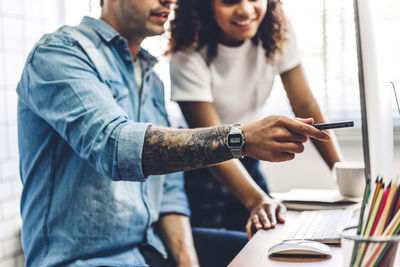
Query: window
x=326 y=33
x=76 y=9
x=22 y=23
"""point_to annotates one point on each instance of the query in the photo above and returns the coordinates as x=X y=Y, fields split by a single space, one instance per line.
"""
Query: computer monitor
x=375 y=98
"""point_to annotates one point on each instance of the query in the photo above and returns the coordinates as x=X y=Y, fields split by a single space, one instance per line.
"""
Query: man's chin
x=157 y=33
x=154 y=31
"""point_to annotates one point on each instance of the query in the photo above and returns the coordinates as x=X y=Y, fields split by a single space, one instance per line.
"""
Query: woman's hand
x=265 y=215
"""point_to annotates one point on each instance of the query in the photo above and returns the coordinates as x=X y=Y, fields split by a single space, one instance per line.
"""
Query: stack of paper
x=316 y=199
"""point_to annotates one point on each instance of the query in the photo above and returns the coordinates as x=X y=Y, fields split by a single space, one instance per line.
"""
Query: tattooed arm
x=168 y=150
x=273 y=138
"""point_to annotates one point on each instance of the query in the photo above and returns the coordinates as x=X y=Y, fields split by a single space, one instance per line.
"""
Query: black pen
x=333 y=125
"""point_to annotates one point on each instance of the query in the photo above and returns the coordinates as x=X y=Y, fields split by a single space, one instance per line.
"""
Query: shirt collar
x=108 y=34
x=101 y=27
x=148 y=60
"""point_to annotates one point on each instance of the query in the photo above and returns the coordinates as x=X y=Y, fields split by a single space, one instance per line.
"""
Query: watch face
x=235 y=140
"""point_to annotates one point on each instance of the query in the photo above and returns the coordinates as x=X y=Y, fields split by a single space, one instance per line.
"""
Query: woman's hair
x=195 y=26
x=101 y=2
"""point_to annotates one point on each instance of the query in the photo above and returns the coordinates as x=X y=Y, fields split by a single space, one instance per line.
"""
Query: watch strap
x=236 y=150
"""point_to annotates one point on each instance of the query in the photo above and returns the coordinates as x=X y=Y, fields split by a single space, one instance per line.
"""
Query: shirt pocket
x=120 y=93
x=153 y=110
x=162 y=115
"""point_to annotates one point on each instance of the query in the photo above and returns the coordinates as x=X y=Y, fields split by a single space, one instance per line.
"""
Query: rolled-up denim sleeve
x=129 y=161
x=61 y=86
x=174 y=196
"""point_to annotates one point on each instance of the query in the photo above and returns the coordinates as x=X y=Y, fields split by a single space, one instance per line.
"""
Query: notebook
x=317 y=199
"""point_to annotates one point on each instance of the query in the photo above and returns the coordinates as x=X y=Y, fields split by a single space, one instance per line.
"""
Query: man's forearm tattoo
x=169 y=150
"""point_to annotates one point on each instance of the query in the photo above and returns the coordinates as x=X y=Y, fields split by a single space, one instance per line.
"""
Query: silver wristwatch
x=235 y=140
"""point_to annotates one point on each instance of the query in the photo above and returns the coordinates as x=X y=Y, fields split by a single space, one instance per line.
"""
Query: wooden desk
x=255 y=253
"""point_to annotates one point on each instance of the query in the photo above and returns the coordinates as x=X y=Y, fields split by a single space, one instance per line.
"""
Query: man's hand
x=277 y=138
x=265 y=215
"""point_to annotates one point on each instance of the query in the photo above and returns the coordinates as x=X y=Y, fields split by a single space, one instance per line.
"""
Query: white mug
x=350 y=178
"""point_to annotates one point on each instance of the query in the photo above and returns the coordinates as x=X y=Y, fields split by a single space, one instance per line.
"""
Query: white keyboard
x=320 y=225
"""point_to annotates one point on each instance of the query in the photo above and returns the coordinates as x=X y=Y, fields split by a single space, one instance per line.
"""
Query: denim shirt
x=85 y=200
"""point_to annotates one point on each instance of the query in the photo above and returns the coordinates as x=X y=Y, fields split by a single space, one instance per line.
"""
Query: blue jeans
x=215 y=248
x=212 y=205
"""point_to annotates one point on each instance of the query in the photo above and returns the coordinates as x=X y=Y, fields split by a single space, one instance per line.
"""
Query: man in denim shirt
x=99 y=171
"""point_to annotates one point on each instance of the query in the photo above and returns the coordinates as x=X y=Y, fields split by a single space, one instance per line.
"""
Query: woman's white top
x=238 y=81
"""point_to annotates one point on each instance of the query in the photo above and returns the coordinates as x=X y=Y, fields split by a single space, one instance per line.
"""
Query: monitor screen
x=375 y=95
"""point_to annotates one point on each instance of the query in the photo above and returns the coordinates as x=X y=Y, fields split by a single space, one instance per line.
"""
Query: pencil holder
x=369 y=251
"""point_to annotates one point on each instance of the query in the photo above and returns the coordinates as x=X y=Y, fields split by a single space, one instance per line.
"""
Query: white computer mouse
x=300 y=248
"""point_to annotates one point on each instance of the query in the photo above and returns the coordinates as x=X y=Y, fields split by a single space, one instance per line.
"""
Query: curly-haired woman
x=225 y=57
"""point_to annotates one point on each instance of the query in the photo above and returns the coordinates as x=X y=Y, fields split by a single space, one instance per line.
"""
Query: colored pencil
x=389 y=205
x=374 y=209
x=378 y=186
x=382 y=206
x=376 y=249
x=369 y=206
x=397 y=204
x=361 y=249
x=367 y=192
x=372 y=201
